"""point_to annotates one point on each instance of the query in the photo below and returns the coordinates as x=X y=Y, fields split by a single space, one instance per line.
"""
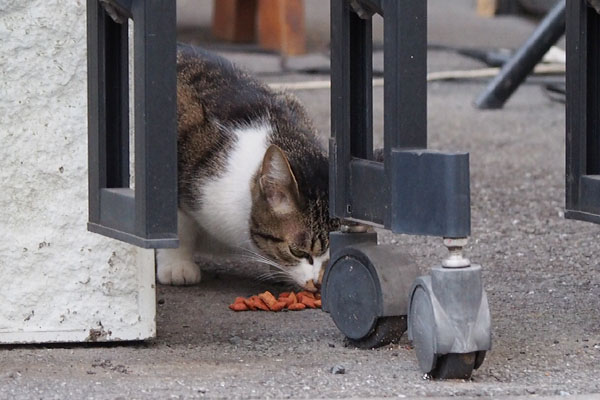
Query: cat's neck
x=226 y=198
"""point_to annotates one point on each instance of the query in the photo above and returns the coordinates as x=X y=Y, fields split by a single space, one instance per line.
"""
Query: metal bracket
x=146 y=215
x=430 y=193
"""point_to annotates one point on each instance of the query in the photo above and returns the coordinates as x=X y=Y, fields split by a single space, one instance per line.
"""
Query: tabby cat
x=253 y=179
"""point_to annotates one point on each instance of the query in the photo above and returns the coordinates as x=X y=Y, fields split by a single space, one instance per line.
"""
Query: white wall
x=57 y=281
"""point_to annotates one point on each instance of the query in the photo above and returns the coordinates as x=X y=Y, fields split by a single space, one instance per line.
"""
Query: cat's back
x=226 y=93
x=218 y=108
x=227 y=119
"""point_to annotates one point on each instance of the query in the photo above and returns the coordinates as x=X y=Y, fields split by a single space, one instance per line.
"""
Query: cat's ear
x=277 y=181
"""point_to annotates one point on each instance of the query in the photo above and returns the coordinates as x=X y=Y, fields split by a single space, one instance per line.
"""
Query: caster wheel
x=387 y=330
x=479 y=357
x=445 y=366
x=437 y=321
x=422 y=328
x=351 y=294
x=455 y=366
x=365 y=291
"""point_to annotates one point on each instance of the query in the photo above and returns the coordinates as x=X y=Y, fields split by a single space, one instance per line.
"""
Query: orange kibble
x=268 y=298
x=308 y=302
x=258 y=303
x=238 y=307
x=296 y=307
x=291 y=299
x=267 y=302
x=304 y=293
x=277 y=306
x=250 y=304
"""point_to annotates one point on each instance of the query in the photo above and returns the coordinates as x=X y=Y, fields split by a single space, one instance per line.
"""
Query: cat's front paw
x=179 y=273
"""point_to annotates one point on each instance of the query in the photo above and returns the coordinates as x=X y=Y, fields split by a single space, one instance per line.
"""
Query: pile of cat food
x=286 y=301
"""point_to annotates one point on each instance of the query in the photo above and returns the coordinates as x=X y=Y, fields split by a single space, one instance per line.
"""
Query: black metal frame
x=368 y=191
x=583 y=113
x=147 y=215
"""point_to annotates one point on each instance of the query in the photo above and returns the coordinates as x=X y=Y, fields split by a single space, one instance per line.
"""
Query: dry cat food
x=286 y=301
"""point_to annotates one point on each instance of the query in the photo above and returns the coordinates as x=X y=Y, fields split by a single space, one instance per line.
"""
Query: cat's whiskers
x=276 y=275
x=253 y=259
x=271 y=274
x=264 y=277
x=254 y=256
x=257 y=258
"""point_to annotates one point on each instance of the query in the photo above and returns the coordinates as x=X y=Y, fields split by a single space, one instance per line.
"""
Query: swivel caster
x=365 y=290
x=449 y=321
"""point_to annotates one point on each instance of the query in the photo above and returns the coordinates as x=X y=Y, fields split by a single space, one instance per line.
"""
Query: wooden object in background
x=486 y=8
x=234 y=20
x=281 y=27
x=275 y=24
x=489 y=8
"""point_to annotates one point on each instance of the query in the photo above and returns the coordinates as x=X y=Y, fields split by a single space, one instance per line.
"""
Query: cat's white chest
x=226 y=200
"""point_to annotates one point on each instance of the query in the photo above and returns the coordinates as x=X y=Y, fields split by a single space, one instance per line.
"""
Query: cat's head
x=289 y=224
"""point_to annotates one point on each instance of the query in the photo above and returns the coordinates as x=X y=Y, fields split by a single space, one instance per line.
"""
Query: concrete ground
x=541 y=273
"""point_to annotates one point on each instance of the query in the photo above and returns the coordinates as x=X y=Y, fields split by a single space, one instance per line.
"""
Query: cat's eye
x=301 y=254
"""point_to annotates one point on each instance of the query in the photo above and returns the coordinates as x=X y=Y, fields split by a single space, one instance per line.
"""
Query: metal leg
x=367 y=287
x=147 y=214
x=583 y=113
x=515 y=70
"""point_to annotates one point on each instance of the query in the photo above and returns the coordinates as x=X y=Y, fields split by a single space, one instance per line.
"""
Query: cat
x=253 y=178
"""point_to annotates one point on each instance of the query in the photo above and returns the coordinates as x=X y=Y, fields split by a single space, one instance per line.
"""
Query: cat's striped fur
x=253 y=178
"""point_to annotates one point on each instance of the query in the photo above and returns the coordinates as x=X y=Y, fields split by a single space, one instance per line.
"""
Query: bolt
x=455 y=259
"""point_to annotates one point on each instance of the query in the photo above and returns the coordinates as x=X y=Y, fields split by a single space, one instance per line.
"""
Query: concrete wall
x=57 y=281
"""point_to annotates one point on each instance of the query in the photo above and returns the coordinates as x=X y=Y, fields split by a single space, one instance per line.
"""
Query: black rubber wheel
x=455 y=365
x=352 y=294
x=479 y=359
x=387 y=330
x=422 y=327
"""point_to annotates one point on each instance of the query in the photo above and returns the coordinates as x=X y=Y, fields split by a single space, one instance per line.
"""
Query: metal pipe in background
x=520 y=65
